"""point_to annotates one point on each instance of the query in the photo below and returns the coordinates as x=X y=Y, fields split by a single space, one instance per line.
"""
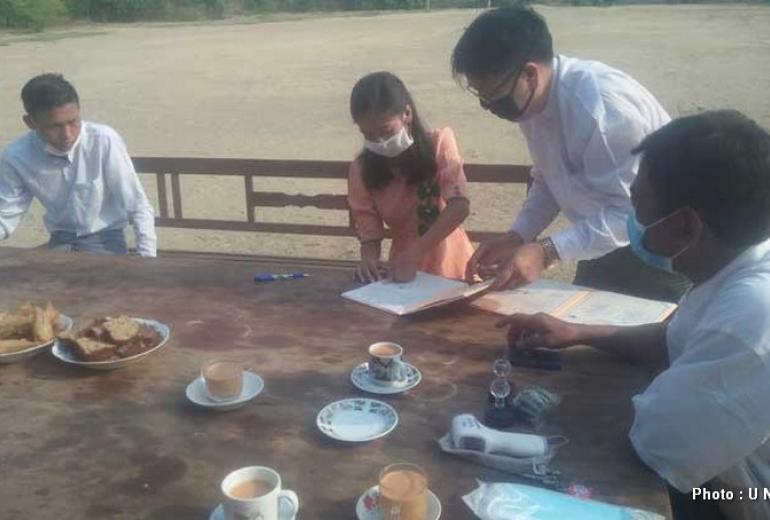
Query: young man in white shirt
x=79 y=171
x=702 y=208
x=581 y=119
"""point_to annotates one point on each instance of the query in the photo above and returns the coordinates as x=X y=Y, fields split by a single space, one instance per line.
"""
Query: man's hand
x=523 y=267
x=539 y=331
x=490 y=255
x=404 y=266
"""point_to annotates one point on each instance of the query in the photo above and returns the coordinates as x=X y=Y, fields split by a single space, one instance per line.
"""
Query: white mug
x=265 y=507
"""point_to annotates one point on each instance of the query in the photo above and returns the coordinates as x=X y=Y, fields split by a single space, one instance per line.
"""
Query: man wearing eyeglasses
x=581 y=120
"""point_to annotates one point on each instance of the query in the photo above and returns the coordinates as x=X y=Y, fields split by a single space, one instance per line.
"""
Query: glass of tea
x=223 y=379
x=403 y=492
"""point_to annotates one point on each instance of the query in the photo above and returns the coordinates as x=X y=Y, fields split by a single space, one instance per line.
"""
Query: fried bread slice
x=121 y=329
x=88 y=349
x=42 y=328
x=15 y=326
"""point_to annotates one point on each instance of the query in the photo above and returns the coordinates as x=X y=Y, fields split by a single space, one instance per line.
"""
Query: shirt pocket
x=87 y=195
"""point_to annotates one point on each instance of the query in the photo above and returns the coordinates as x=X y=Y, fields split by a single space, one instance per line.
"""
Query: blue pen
x=270 y=277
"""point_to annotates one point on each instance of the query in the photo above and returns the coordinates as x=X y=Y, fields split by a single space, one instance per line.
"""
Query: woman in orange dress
x=411 y=180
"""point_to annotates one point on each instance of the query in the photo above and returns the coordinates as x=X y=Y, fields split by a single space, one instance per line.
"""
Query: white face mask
x=392 y=147
x=52 y=150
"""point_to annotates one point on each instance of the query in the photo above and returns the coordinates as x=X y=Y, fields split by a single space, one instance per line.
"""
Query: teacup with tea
x=255 y=492
x=386 y=364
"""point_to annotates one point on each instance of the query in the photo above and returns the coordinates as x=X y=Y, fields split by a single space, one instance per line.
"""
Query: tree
x=31 y=14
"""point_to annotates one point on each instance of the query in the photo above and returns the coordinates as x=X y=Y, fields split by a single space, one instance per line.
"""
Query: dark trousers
x=621 y=271
x=107 y=241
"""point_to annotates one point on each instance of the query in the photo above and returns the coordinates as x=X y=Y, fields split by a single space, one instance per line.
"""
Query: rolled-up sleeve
x=365 y=218
x=127 y=188
x=704 y=414
x=609 y=168
x=539 y=210
x=15 y=199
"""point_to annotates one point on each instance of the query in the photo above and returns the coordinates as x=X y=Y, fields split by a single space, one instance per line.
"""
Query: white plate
x=65 y=324
x=65 y=354
x=252 y=386
x=361 y=379
x=357 y=420
x=219 y=514
x=367 y=507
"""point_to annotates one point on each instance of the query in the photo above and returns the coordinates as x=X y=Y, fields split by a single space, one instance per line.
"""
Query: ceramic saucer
x=357 y=420
x=219 y=514
x=252 y=386
x=361 y=378
x=367 y=507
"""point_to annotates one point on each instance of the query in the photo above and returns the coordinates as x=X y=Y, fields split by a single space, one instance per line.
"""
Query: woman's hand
x=404 y=266
x=370 y=268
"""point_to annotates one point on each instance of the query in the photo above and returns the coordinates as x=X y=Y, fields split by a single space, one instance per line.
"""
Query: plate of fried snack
x=28 y=330
x=109 y=343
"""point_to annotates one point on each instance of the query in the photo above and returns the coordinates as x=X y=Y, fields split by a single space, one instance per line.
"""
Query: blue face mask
x=636 y=233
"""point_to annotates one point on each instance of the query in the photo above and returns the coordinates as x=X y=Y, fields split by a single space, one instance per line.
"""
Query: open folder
x=424 y=292
x=562 y=300
x=575 y=304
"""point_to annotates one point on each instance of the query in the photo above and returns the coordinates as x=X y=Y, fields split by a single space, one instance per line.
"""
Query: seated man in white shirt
x=702 y=203
x=79 y=171
x=580 y=119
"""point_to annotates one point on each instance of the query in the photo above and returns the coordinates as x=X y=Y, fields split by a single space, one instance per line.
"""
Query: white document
x=606 y=308
x=576 y=304
x=425 y=291
x=541 y=296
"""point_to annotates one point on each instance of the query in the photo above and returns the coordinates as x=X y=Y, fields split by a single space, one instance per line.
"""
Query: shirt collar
x=751 y=256
x=552 y=105
x=50 y=151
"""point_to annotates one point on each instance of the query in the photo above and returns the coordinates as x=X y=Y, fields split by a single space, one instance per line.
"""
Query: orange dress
x=396 y=206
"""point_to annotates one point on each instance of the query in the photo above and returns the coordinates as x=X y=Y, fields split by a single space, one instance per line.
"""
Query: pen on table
x=271 y=277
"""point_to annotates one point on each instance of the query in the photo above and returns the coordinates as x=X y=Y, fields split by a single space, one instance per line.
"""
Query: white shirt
x=580 y=146
x=92 y=188
x=708 y=415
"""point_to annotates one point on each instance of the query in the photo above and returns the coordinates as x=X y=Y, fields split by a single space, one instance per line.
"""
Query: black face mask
x=506 y=107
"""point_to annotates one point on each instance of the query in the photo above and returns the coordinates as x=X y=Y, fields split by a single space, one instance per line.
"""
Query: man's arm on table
x=644 y=344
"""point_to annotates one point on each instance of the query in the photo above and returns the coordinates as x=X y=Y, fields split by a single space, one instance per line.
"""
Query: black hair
x=47 y=91
x=501 y=40
x=718 y=164
x=385 y=93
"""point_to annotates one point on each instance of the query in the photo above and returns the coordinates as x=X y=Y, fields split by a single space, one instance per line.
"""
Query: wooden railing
x=172 y=215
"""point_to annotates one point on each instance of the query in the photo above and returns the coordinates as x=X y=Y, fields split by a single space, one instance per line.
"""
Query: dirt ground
x=242 y=88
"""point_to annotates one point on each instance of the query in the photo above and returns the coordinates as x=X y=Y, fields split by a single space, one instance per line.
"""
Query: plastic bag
x=507 y=501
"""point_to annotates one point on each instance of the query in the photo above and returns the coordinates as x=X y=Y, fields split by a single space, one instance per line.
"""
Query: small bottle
x=502 y=369
x=499 y=410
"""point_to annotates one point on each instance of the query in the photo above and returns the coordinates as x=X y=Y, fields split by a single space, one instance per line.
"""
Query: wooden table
x=126 y=444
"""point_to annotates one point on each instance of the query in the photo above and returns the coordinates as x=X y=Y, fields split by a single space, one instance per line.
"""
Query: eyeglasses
x=487 y=100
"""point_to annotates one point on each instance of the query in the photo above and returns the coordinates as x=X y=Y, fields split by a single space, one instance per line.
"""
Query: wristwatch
x=551 y=254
